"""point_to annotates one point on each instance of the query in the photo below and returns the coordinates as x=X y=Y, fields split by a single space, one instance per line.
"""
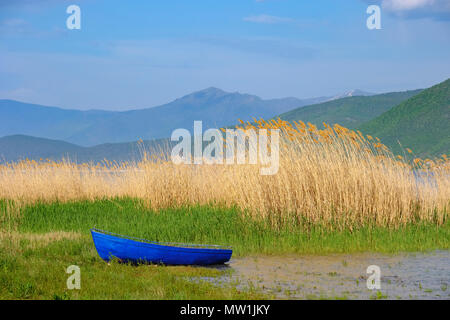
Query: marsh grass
x=40 y=273
x=49 y=237
x=336 y=192
x=221 y=225
x=333 y=177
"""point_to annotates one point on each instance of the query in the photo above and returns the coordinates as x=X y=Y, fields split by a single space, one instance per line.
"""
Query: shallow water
x=403 y=276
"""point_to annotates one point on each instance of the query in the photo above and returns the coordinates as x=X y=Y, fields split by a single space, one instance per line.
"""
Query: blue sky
x=137 y=54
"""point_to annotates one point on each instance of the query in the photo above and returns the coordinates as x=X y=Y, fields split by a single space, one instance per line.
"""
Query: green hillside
x=421 y=123
x=349 y=112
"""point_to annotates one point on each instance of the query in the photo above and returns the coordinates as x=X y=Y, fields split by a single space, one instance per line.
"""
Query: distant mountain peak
x=352 y=93
x=210 y=92
x=357 y=92
x=215 y=95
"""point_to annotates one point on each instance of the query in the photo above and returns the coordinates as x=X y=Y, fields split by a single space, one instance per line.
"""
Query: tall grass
x=332 y=177
x=42 y=224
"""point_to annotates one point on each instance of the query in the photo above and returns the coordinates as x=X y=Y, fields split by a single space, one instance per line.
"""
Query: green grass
x=40 y=273
x=29 y=270
x=226 y=226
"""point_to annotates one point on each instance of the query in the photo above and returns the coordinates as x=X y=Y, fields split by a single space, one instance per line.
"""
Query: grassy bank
x=39 y=241
x=227 y=226
x=33 y=269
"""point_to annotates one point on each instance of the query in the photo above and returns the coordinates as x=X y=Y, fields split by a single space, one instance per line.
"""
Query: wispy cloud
x=17 y=27
x=434 y=9
x=14 y=22
x=402 y=5
x=264 y=18
x=14 y=26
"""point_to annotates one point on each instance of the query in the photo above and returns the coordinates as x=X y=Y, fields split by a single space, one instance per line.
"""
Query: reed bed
x=333 y=177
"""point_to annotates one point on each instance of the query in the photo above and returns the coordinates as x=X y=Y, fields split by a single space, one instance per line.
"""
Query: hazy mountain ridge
x=214 y=106
x=20 y=147
x=383 y=115
x=53 y=122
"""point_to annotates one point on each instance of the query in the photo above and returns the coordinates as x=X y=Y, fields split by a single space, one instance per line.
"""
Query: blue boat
x=134 y=250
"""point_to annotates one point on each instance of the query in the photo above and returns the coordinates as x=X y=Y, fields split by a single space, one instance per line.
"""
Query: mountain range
x=417 y=119
x=20 y=147
x=215 y=107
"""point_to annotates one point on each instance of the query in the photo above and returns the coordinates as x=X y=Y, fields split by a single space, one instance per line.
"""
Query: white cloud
x=401 y=5
x=434 y=9
x=14 y=22
x=264 y=18
x=13 y=26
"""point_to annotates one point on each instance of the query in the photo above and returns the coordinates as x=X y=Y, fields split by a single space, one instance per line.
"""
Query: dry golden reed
x=335 y=177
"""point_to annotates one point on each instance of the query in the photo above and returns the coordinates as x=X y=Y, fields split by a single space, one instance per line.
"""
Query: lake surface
x=403 y=276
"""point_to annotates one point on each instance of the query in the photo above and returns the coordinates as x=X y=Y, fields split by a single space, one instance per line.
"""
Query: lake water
x=403 y=276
